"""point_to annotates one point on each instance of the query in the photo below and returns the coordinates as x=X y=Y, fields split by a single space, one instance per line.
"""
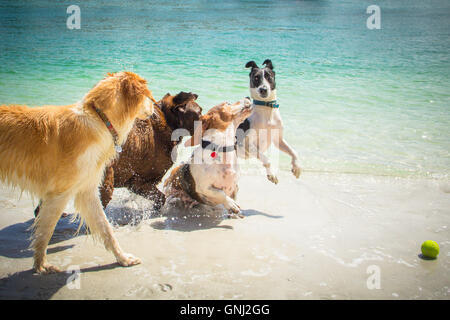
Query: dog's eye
x=257 y=78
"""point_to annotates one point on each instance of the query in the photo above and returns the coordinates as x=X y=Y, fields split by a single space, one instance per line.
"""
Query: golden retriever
x=60 y=152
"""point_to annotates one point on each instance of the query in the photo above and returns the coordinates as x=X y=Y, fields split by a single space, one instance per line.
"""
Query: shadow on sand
x=15 y=242
x=29 y=285
x=201 y=217
x=15 y=239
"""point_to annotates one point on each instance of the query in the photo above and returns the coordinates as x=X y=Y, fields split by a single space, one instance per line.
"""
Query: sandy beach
x=363 y=92
x=312 y=238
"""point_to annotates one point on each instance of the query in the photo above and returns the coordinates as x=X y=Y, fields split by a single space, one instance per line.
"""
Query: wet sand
x=312 y=238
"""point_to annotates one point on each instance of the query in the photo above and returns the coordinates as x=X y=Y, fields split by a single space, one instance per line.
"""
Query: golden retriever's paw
x=296 y=170
x=46 y=268
x=128 y=260
x=272 y=178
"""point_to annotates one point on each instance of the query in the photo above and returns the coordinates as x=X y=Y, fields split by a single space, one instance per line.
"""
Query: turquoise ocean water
x=352 y=99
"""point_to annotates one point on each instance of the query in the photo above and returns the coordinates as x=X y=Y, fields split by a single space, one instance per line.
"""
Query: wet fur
x=60 y=152
x=265 y=125
x=212 y=181
x=146 y=154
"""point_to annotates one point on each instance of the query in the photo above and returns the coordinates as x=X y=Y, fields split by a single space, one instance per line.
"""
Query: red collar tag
x=213 y=154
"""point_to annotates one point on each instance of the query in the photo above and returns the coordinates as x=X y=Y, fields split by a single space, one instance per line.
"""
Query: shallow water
x=352 y=99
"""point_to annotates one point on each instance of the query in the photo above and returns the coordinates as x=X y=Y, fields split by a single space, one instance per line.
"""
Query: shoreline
x=311 y=238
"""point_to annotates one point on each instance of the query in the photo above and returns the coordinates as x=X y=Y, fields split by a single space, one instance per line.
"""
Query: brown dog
x=58 y=153
x=146 y=155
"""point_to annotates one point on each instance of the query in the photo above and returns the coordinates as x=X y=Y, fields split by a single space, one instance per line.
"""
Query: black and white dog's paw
x=272 y=178
x=296 y=170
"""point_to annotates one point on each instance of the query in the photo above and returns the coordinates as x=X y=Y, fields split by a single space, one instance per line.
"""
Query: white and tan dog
x=60 y=152
x=211 y=176
x=264 y=127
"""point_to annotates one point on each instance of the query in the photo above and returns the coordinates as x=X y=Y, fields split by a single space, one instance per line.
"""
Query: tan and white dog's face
x=220 y=123
x=221 y=116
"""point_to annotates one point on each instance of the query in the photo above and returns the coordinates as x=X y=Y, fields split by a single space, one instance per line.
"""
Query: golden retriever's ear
x=103 y=94
x=134 y=88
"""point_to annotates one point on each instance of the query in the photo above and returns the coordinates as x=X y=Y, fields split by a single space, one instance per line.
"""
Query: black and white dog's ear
x=251 y=64
x=268 y=64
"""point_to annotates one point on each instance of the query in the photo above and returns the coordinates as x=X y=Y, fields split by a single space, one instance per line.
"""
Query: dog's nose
x=263 y=90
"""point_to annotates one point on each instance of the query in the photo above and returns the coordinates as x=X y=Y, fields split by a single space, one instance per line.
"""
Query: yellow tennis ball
x=430 y=249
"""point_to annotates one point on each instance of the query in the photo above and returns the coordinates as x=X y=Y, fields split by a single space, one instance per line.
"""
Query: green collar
x=271 y=104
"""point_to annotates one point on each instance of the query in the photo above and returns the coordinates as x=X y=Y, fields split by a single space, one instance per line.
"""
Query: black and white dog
x=265 y=122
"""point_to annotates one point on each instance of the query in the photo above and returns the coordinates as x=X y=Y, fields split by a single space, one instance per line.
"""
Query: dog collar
x=110 y=127
x=271 y=104
x=214 y=147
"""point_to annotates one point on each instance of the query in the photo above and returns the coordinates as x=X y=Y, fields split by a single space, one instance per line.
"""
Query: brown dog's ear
x=166 y=101
x=183 y=97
